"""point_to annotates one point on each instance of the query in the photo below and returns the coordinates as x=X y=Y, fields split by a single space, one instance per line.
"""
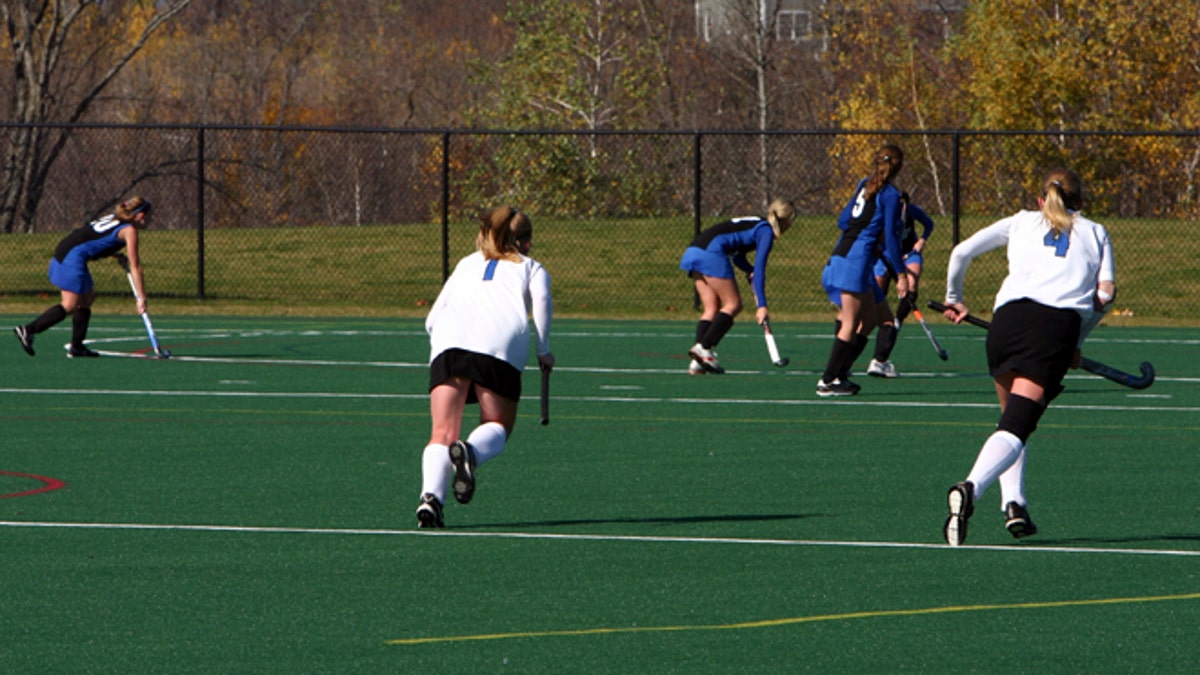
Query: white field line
x=637 y=400
x=247 y=529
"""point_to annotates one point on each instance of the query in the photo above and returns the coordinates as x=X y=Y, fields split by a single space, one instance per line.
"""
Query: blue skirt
x=706 y=262
x=71 y=274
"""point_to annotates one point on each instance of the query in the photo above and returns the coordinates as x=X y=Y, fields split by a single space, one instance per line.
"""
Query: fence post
x=445 y=206
x=200 y=213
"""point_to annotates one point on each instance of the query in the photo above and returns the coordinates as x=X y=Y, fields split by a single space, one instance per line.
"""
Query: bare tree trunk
x=38 y=33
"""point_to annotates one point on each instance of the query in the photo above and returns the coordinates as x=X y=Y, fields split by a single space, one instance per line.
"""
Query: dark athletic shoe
x=837 y=388
x=26 y=339
x=81 y=352
x=429 y=512
x=462 y=456
x=1017 y=520
x=961 y=502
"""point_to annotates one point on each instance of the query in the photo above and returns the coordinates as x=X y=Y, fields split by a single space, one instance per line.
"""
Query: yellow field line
x=770 y=623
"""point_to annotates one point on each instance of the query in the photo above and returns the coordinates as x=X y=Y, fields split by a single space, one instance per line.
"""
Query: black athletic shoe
x=81 y=352
x=837 y=388
x=961 y=502
x=462 y=456
x=26 y=339
x=429 y=512
x=1017 y=520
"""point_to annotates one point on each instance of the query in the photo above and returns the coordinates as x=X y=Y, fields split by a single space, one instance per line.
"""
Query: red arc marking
x=50 y=484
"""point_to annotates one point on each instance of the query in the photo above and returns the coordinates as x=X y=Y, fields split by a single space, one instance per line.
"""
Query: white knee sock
x=488 y=440
x=436 y=470
x=1012 y=482
x=998 y=453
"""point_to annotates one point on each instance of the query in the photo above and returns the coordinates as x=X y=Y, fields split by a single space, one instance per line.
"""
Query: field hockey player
x=709 y=262
x=889 y=325
x=479 y=344
x=1060 y=281
x=68 y=271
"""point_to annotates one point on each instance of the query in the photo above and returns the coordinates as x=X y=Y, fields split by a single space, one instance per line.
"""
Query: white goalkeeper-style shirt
x=485 y=306
x=1054 y=271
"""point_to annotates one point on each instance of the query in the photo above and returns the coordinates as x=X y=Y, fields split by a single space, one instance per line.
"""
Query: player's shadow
x=679 y=520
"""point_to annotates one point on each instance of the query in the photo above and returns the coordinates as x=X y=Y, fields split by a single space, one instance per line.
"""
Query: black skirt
x=487 y=371
x=1036 y=341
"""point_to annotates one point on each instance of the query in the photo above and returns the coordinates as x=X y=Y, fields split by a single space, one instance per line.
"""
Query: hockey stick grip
x=545 y=395
x=970 y=318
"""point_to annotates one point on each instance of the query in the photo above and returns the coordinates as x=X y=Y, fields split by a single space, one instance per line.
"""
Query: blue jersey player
x=913 y=245
x=709 y=261
x=871 y=218
x=69 y=272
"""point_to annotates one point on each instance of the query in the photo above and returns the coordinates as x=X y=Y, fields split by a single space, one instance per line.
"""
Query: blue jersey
x=69 y=266
x=94 y=240
x=864 y=224
x=713 y=250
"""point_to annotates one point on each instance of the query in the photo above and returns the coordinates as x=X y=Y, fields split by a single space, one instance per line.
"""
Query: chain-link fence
x=314 y=220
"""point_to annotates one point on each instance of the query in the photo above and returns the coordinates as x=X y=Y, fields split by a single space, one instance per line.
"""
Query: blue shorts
x=706 y=262
x=71 y=274
x=910 y=258
x=835 y=293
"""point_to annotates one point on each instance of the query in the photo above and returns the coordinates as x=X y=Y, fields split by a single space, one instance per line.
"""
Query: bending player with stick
x=1060 y=282
x=69 y=272
x=709 y=262
x=479 y=344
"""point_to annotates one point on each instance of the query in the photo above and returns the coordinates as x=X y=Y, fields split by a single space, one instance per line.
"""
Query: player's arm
x=134 y=265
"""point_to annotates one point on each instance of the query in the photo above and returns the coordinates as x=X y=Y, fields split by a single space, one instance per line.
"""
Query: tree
x=889 y=66
x=49 y=87
x=1077 y=65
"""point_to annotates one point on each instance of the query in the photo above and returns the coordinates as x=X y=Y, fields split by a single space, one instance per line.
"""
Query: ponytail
x=129 y=208
x=889 y=159
x=499 y=231
x=780 y=210
x=1061 y=195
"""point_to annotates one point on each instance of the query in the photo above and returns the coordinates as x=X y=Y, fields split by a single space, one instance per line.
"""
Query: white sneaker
x=694 y=368
x=882 y=369
x=707 y=359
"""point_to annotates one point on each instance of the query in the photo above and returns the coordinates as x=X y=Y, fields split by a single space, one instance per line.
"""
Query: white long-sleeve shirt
x=485 y=305
x=1053 y=272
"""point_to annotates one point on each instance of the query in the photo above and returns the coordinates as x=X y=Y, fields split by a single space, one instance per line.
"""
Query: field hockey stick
x=158 y=350
x=545 y=394
x=937 y=347
x=1095 y=367
x=772 y=348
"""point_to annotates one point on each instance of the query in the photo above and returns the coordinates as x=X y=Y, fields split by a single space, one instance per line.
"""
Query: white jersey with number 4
x=1058 y=271
x=485 y=305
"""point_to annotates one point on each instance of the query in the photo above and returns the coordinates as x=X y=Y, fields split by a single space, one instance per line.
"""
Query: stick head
x=164 y=354
x=782 y=362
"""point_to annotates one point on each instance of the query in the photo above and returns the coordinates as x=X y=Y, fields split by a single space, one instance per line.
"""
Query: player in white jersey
x=1060 y=282
x=479 y=344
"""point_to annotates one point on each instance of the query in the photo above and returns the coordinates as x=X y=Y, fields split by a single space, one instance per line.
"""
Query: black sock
x=720 y=326
x=47 y=320
x=841 y=353
x=79 y=326
x=857 y=347
x=885 y=342
x=904 y=309
x=702 y=329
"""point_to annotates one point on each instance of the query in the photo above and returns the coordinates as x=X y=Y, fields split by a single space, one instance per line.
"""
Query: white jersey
x=484 y=307
x=1057 y=272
